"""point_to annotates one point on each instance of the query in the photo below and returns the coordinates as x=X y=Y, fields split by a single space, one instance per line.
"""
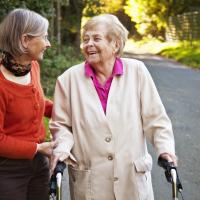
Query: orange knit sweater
x=22 y=108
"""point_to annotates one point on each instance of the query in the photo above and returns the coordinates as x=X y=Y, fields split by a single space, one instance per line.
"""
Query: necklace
x=15 y=68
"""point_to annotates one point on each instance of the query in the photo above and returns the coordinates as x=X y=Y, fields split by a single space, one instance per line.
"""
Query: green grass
x=184 y=52
x=48 y=134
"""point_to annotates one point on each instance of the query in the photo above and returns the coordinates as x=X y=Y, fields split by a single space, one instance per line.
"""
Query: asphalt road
x=178 y=87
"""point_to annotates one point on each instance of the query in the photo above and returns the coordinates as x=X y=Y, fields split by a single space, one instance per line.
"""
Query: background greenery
x=143 y=18
x=55 y=64
x=184 y=52
x=146 y=20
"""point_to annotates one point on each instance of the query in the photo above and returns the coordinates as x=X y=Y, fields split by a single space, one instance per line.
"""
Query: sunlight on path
x=153 y=46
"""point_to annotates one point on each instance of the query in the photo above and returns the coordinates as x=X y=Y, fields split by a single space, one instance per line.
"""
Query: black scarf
x=16 y=69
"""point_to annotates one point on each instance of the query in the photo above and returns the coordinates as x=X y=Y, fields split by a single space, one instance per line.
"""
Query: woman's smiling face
x=96 y=47
x=36 y=46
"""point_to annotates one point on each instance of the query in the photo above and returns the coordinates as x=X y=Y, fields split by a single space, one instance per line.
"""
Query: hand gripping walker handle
x=56 y=177
x=60 y=167
x=171 y=172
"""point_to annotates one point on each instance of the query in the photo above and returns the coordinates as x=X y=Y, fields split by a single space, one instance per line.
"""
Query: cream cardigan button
x=108 y=139
x=110 y=157
x=115 y=179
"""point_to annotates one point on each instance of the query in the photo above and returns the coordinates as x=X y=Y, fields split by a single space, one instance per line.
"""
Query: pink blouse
x=103 y=90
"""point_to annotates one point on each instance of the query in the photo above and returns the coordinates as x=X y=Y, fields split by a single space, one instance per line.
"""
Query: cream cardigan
x=111 y=152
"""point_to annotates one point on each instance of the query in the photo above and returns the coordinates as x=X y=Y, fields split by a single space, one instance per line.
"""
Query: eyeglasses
x=44 y=37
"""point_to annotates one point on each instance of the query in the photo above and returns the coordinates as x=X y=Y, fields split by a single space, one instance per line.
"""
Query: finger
x=53 y=144
x=170 y=158
x=165 y=156
x=49 y=153
x=175 y=160
x=50 y=165
x=74 y=164
x=63 y=157
x=53 y=163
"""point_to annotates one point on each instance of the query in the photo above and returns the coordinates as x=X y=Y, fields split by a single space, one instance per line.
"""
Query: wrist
x=37 y=148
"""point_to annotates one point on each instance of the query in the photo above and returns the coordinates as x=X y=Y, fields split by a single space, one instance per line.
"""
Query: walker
x=171 y=174
x=56 y=181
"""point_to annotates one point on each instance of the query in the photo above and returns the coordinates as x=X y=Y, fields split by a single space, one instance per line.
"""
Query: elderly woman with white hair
x=24 y=167
x=104 y=109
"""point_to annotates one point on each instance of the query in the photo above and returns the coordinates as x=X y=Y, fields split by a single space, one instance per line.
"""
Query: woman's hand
x=170 y=158
x=62 y=156
x=46 y=148
x=55 y=158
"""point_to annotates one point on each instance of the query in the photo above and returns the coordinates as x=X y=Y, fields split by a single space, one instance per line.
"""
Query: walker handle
x=168 y=167
x=60 y=167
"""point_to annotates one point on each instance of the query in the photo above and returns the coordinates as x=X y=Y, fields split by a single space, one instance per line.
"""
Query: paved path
x=179 y=88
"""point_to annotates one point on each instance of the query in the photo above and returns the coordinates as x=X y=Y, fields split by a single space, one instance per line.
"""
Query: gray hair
x=17 y=23
x=115 y=29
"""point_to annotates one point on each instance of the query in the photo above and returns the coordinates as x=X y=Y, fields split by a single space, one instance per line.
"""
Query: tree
x=151 y=17
x=6 y=6
x=58 y=24
x=115 y=7
x=66 y=16
x=71 y=21
x=87 y=8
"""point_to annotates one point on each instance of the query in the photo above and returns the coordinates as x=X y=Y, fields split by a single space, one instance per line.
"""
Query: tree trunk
x=52 y=29
x=58 y=26
x=77 y=7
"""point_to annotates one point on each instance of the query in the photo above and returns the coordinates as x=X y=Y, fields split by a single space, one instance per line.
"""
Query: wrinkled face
x=36 y=46
x=97 y=49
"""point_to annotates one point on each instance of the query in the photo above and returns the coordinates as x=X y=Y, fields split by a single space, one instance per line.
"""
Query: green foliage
x=46 y=124
x=150 y=16
x=41 y=7
x=6 y=6
x=92 y=8
x=184 y=53
x=96 y=7
x=54 y=65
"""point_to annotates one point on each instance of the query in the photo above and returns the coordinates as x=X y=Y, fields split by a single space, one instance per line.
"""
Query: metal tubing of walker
x=174 y=185
x=59 y=182
x=59 y=195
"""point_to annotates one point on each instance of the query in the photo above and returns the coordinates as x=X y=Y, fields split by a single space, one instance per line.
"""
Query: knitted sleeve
x=10 y=146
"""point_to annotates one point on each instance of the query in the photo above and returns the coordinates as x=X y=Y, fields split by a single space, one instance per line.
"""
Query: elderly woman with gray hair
x=104 y=109
x=24 y=168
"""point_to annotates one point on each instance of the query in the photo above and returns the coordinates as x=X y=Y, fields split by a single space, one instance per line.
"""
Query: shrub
x=53 y=65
